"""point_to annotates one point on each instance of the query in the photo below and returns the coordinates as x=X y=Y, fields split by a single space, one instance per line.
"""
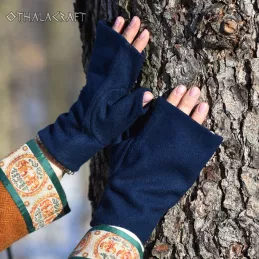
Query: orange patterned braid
x=34 y=189
x=107 y=242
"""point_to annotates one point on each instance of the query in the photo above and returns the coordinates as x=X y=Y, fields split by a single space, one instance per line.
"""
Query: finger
x=119 y=23
x=132 y=30
x=176 y=95
x=189 y=100
x=201 y=113
x=141 y=42
x=148 y=97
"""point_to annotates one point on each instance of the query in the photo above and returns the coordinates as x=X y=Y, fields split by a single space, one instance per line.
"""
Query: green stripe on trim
x=121 y=234
x=18 y=201
x=48 y=169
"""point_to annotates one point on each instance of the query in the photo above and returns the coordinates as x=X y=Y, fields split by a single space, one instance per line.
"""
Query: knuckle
x=188 y=104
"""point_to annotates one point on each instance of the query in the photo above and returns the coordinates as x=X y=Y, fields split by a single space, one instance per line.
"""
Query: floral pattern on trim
x=101 y=244
x=33 y=185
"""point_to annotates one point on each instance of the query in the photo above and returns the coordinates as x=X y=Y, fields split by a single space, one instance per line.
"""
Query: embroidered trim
x=131 y=235
x=107 y=242
x=18 y=201
x=35 y=188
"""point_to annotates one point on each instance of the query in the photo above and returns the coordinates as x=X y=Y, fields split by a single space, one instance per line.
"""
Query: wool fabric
x=107 y=105
x=151 y=171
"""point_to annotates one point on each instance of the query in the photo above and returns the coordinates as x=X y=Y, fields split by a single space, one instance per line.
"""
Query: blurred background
x=41 y=75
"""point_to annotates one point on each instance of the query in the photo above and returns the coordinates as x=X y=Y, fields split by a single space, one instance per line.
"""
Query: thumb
x=147 y=97
x=130 y=107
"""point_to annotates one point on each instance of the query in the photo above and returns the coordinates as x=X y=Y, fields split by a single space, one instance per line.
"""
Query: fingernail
x=194 y=91
x=180 y=90
x=133 y=22
x=143 y=34
x=147 y=97
x=203 y=107
x=117 y=22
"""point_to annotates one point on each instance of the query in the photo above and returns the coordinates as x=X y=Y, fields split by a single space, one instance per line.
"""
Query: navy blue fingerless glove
x=106 y=107
x=151 y=172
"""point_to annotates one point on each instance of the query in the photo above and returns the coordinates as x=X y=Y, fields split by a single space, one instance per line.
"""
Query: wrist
x=58 y=169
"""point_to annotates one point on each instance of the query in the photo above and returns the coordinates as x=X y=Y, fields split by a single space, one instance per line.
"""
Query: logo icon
x=11 y=17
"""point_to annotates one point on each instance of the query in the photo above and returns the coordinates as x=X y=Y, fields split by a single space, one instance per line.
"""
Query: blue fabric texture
x=107 y=105
x=152 y=171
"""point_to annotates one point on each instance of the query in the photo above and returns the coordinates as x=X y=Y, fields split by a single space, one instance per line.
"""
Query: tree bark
x=212 y=44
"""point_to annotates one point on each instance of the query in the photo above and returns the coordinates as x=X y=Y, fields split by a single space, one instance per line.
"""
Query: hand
x=108 y=105
x=186 y=102
x=152 y=171
x=139 y=42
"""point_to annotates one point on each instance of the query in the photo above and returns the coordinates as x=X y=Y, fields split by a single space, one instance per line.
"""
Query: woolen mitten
x=152 y=171
x=106 y=107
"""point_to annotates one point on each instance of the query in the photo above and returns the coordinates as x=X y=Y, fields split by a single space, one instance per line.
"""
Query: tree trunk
x=212 y=44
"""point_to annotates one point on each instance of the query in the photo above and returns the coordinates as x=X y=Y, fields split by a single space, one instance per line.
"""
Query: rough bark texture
x=213 y=44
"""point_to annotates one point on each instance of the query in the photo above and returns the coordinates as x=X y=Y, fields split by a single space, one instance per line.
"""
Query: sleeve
x=106 y=241
x=31 y=195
